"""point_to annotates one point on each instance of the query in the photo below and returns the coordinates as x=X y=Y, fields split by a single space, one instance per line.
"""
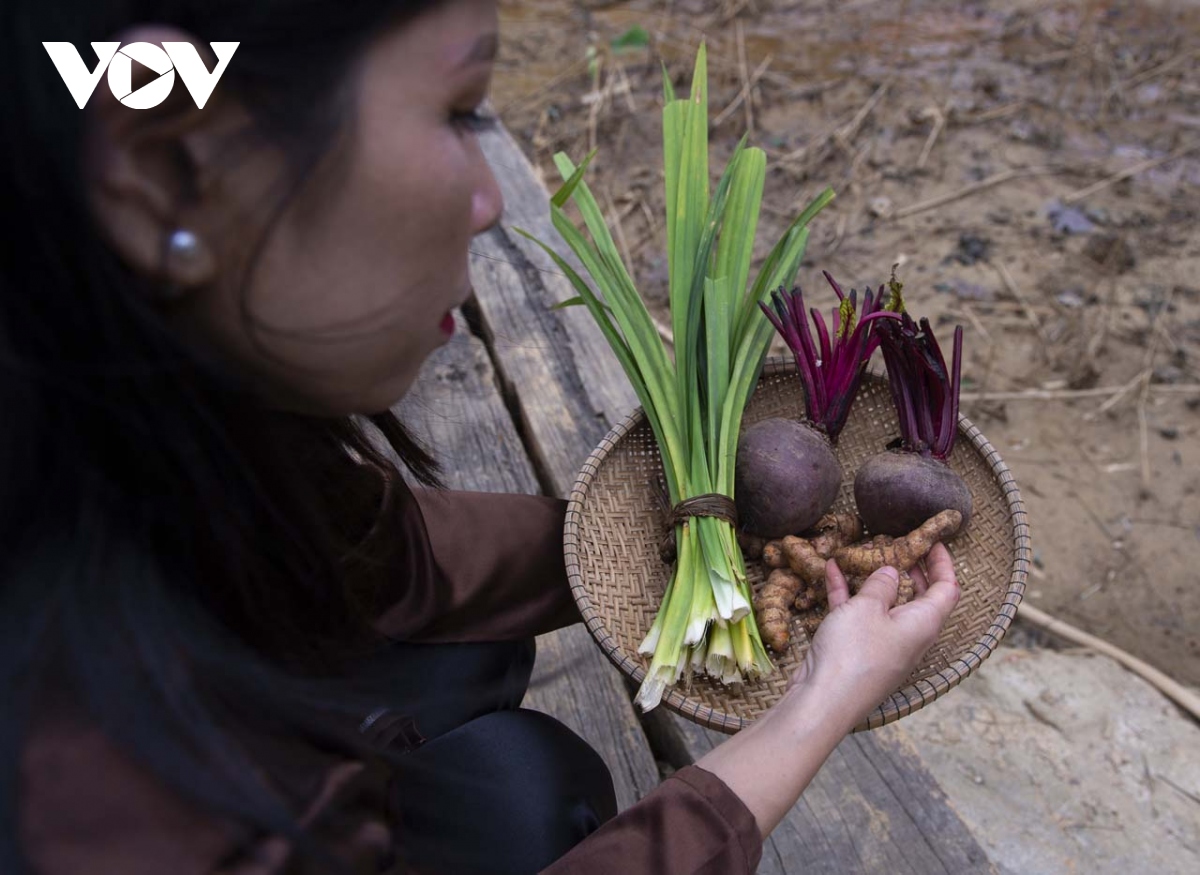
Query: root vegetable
x=811 y=619
x=787 y=474
x=905 y=591
x=811 y=596
x=901 y=553
x=803 y=559
x=772 y=607
x=835 y=530
x=772 y=555
x=752 y=545
x=895 y=491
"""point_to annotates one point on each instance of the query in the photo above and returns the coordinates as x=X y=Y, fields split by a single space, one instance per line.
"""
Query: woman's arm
x=864 y=649
x=710 y=819
x=477 y=567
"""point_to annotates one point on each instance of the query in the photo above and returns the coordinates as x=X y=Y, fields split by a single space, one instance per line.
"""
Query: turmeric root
x=903 y=596
x=752 y=545
x=902 y=553
x=772 y=607
x=806 y=556
x=772 y=555
x=811 y=619
x=835 y=530
x=803 y=559
x=809 y=597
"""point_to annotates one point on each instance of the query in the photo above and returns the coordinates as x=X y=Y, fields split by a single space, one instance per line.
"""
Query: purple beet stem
x=924 y=391
x=831 y=381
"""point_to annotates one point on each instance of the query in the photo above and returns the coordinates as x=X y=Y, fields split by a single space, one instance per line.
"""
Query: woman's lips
x=447 y=325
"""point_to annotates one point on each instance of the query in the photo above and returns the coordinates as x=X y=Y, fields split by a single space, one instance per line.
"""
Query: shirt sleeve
x=475 y=567
x=692 y=824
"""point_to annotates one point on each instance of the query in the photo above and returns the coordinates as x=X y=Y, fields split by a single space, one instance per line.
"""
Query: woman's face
x=356 y=279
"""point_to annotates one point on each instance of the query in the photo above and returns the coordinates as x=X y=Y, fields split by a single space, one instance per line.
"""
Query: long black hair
x=168 y=546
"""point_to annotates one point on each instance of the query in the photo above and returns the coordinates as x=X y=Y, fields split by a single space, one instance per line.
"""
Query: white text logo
x=164 y=61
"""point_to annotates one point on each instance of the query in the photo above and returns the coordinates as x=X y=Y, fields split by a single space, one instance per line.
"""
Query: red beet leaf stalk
x=787 y=474
x=924 y=390
x=898 y=490
x=831 y=374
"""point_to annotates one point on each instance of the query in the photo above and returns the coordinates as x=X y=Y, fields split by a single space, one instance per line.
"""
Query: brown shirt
x=88 y=806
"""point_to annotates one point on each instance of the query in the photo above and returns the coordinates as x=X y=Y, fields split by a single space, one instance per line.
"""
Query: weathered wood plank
x=456 y=409
x=873 y=807
x=456 y=406
x=604 y=388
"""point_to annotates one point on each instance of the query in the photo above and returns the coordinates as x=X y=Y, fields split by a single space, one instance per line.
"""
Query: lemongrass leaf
x=764 y=284
x=624 y=356
x=636 y=316
x=567 y=189
x=736 y=248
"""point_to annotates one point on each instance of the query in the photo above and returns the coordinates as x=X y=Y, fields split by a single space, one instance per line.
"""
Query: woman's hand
x=867 y=645
x=864 y=649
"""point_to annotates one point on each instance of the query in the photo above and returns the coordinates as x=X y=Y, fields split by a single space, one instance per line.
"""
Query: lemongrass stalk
x=693 y=403
x=723 y=574
x=703 y=610
x=650 y=642
x=720 y=651
x=665 y=664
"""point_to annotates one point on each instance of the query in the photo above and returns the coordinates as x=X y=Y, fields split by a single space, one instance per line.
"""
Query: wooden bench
x=515 y=403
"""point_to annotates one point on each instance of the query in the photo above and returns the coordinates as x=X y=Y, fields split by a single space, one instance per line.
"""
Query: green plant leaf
x=637 y=37
x=694 y=403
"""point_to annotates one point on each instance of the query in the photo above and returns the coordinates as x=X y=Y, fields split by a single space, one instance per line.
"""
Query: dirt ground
x=1034 y=168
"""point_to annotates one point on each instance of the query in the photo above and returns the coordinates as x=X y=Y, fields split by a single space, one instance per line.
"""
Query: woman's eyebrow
x=482 y=52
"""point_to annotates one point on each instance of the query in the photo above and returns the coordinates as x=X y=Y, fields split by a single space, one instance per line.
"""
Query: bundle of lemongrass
x=693 y=403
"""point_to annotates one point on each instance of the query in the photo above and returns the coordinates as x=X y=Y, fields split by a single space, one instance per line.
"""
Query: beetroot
x=900 y=489
x=787 y=474
x=896 y=491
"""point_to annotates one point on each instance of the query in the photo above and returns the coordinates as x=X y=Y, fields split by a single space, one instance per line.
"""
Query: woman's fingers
x=883 y=584
x=942 y=586
x=939 y=564
x=920 y=584
x=837 y=590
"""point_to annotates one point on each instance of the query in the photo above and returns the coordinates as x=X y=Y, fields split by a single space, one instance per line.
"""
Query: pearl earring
x=183 y=244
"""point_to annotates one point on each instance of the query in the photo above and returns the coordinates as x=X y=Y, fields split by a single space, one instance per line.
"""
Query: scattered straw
x=1140 y=167
x=973 y=188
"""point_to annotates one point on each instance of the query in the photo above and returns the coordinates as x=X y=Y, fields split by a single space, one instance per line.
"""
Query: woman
x=235 y=640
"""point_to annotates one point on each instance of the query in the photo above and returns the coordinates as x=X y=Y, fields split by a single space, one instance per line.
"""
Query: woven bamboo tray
x=611 y=546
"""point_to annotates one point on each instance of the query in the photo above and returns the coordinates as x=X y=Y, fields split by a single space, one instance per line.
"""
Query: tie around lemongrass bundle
x=693 y=401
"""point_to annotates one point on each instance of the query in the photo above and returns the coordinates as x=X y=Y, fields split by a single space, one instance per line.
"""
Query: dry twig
x=743 y=95
x=938 y=114
x=1012 y=288
x=1116 y=397
x=747 y=101
x=1154 y=72
x=847 y=132
x=1141 y=167
x=994 y=179
x=1172 y=689
x=990 y=114
x=1072 y=394
x=1147 y=372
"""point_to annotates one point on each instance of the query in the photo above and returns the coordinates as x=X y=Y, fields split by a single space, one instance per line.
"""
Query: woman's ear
x=152 y=173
